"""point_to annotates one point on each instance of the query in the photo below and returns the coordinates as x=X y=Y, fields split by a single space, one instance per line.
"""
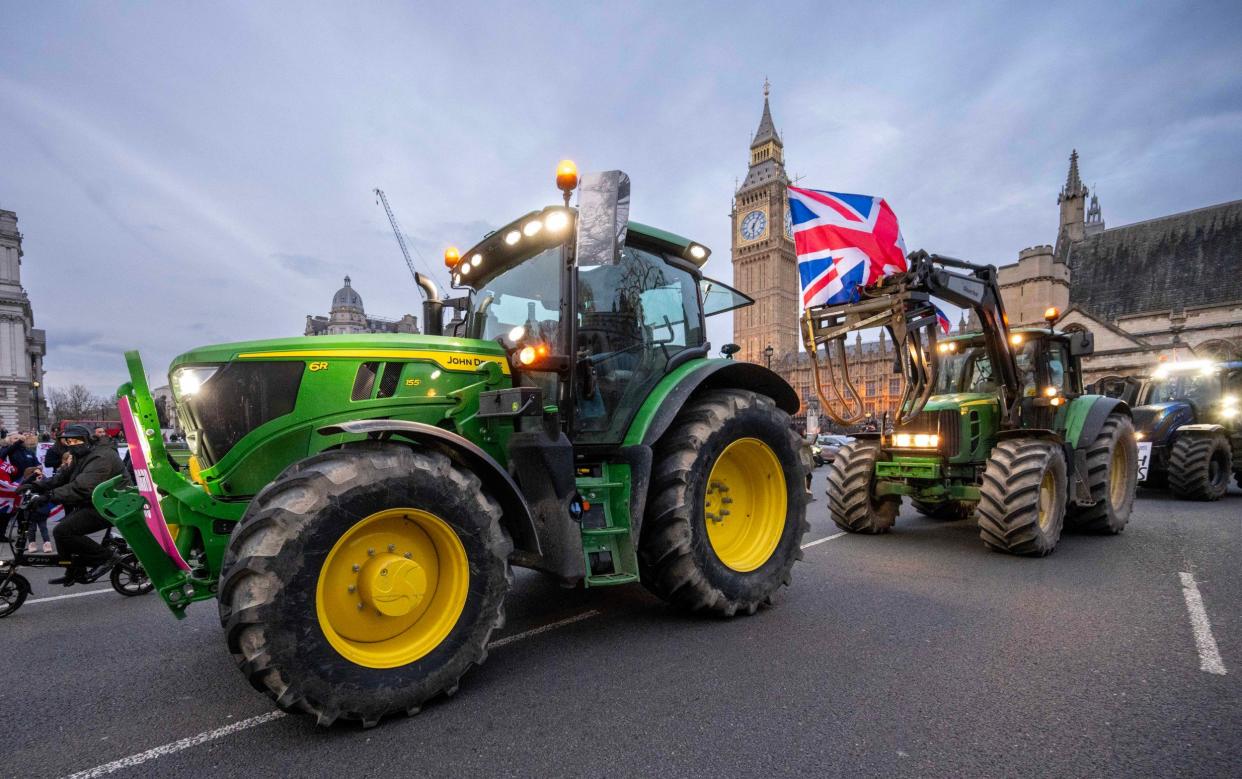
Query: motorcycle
x=127 y=577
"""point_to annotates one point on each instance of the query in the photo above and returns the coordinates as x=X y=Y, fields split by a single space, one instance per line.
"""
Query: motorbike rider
x=94 y=462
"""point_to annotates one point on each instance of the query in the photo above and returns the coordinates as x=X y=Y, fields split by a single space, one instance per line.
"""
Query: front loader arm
x=901 y=303
x=177 y=531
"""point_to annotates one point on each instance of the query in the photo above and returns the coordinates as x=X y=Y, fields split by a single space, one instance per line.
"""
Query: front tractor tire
x=852 y=501
x=1199 y=466
x=1112 y=477
x=364 y=581
x=727 y=508
x=1022 y=508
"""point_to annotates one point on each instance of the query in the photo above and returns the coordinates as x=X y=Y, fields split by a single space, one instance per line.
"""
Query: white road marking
x=1205 y=642
x=71 y=595
x=543 y=629
x=822 y=540
x=228 y=730
x=176 y=746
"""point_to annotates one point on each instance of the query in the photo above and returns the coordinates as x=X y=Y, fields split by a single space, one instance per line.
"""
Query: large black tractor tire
x=1022 y=508
x=1112 y=477
x=739 y=562
x=949 y=510
x=287 y=572
x=1199 y=466
x=851 y=491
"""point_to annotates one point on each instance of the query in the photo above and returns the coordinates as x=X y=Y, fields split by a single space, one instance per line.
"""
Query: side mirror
x=1082 y=343
x=728 y=350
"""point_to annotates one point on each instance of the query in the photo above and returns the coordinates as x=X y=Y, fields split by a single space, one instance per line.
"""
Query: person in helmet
x=94 y=462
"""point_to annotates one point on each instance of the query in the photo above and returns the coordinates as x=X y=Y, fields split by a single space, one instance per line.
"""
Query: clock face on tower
x=753 y=225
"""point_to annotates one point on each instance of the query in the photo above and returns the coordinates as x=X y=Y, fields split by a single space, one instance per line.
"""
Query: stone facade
x=22 y=345
x=1162 y=289
x=347 y=315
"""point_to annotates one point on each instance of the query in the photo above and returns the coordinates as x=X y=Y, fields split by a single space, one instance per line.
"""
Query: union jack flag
x=843 y=242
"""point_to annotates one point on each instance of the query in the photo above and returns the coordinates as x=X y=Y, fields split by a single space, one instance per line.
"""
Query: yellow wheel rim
x=392 y=588
x=745 y=505
x=1047 y=494
x=1118 y=475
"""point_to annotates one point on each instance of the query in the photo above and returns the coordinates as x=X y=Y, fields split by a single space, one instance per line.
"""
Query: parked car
x=824 y=450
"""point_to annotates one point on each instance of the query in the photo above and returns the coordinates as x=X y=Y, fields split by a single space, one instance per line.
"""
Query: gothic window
x=894 y=386
x=871 y=389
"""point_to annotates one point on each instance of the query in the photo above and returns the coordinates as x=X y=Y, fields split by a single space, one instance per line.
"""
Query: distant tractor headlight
x=188 y=381
x=916 y=440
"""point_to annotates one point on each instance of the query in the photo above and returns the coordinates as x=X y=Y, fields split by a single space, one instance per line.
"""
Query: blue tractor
x=1189 y=423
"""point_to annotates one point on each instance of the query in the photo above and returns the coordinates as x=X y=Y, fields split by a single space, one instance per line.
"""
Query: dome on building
x=347 y=297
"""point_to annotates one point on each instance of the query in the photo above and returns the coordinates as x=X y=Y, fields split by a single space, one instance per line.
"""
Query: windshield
x=970 y=370
x=1194 y=387
x=525 y=296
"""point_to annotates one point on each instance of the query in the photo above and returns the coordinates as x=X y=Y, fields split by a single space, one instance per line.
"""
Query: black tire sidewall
x=297 y=641
x=750 y=422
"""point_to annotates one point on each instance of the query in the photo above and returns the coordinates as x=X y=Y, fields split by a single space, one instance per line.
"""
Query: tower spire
x=1073 y=182
x=767 y=129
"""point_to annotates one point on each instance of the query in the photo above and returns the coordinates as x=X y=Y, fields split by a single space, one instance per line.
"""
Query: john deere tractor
x=992 y=423
x=1190 y=426
x=356 y=502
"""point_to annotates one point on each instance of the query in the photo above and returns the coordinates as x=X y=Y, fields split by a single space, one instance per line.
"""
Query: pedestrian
x=37 y=515
x=54 y=459
x=19 y=449
x=93 y=463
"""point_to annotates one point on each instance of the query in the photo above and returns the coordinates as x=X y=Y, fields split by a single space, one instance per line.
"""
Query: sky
x=195 y=173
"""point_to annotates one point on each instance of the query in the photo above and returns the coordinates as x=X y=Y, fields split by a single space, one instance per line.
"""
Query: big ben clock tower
x=765 y=266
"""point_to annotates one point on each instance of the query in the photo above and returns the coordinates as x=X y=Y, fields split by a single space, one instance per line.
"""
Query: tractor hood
x=1158 y=421
x=453 y=354
x=958 y=400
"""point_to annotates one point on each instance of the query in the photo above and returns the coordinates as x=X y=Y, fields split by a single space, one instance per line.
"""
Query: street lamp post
x=767 y=352
x=35 y=384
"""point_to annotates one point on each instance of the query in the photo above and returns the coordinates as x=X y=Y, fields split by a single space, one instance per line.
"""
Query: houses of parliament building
x=1162 y=289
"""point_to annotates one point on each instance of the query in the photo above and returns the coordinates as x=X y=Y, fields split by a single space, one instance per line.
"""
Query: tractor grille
x=944 y=423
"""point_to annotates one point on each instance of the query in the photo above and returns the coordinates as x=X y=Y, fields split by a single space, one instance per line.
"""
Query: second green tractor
x=993 y=423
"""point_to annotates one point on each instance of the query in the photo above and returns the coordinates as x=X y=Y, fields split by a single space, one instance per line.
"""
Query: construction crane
x=382 y=199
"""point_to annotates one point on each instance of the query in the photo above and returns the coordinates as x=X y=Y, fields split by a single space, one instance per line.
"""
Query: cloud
x=211 y=179
x=304 y=264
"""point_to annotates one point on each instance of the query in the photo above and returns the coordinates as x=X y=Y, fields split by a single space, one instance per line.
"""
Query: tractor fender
x=1202 y=429
x=665 y=401
x=1087 y=415
x=516 y=518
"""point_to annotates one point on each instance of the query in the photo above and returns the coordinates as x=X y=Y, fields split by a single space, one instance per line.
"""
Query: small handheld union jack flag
x=843 y=242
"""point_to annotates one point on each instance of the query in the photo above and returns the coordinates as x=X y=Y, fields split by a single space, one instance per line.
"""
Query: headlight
x=187 y=381
x=916 y=441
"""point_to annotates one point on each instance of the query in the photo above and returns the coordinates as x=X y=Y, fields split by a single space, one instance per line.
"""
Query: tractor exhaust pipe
x=433 y=306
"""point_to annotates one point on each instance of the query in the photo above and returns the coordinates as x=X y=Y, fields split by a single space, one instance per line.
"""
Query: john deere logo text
x=318 y=366
x=470 y=362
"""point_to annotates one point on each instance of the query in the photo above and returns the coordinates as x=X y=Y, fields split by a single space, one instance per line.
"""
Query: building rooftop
x=1172 y=262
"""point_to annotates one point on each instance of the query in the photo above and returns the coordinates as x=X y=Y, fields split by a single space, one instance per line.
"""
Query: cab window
x=633 y=317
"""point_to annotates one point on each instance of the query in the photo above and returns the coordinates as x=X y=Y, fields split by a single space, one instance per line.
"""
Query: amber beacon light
x=566 y=177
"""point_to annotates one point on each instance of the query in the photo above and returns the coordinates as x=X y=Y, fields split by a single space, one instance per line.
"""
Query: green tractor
x=356 y=502
x=993 y=423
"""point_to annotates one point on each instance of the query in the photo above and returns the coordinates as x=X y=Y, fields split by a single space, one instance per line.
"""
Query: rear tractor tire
x=727 y=508
x=1199 y=466
x=851 y=491
x=1022 y=508
x=1112 y=477
x=364 y=582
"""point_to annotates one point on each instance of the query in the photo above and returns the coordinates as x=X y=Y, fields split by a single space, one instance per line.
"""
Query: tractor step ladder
x=607 y=541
